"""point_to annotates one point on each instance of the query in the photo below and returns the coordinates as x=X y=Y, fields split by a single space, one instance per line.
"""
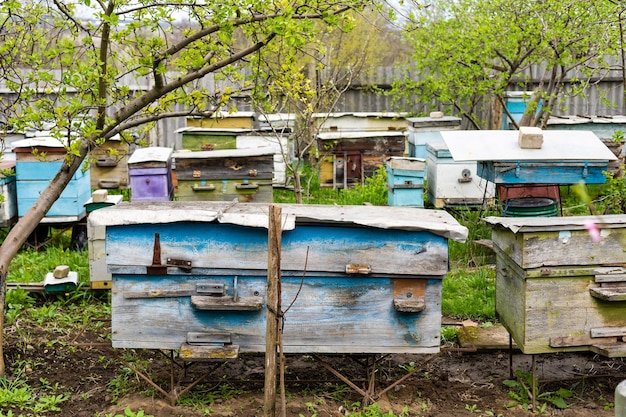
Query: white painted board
x=502 y=145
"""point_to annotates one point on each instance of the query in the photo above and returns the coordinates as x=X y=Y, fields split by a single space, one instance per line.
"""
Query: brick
x=530 y=137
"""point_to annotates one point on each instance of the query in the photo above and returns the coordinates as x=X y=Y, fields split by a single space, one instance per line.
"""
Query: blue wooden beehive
x=425 y=130
x=193 y=276
x=566 y=157
x=38 y=160
x=405 y=181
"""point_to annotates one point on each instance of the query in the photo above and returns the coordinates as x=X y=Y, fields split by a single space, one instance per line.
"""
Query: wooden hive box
x=358 y=279
x=566 y=157
x=350 y=157
x=359 y=121
x=556 y=288
x=424 y=130
x=208 y=139
x=244 y=174
x=8 y=190
x=109 y=170
x=99 y=277
x=455 y=183
x=405 y=181
x=34 y=173
x=225 y=120
x=150 y=172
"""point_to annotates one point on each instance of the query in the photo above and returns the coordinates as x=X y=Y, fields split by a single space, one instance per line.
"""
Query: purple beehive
x=150 y=172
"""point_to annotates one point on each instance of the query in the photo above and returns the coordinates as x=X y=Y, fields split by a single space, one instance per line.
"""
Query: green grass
x=470 y=294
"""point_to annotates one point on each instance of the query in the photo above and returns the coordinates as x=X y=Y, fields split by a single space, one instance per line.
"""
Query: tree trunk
x=27 y=224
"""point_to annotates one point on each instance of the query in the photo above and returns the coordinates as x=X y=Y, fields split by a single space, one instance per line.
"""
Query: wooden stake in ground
x=273 y=308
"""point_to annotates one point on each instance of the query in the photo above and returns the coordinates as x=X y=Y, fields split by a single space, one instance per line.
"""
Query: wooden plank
x=484 y=338
x=208 y=338
x=608 y=331
x=583 y=340
x=609 y=293
x=610 y=278
x=191 y=352
x=610 y=351
x=227 y=303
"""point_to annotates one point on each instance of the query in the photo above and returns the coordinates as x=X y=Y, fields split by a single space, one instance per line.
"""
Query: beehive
x=557 y=287
x=244 y=174
x=150 y=172
x=193 y=276
x=38 y=160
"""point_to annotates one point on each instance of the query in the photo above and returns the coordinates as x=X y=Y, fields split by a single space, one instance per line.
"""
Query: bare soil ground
x=453 y=383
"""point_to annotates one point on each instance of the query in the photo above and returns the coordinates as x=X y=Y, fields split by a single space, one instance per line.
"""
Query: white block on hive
x=61 y=271
x=530 y=137
x=99 y=196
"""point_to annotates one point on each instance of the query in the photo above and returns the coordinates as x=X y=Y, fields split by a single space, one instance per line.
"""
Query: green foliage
x=16 y=393
x=375 y=411
x=470 y=253
x=130 y=413
x=448 y=335
x=467 y=50
x=30 y=265
x=469 y=294
x=17 y=300
x=520 y=393
x=373 y=191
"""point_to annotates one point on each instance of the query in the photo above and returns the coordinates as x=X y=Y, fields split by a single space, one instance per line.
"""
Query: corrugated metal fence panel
x=605 y=97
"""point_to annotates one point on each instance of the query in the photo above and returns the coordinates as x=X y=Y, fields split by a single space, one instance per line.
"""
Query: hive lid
x=38 y=142
x=502 y=145
x=438 y=222
x=533 y=224
x=151 y=154
x=224 y=153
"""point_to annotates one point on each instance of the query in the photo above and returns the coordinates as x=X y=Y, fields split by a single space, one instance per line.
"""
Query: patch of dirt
x=452 y=383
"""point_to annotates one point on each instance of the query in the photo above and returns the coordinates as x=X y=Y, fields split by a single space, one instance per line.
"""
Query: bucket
x=531 y=207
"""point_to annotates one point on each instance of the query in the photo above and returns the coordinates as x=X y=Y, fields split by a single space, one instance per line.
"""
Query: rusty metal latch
x=158 y=268
x=360 y=269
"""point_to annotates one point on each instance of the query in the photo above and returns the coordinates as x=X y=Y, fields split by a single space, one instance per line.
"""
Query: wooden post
x=273 y=308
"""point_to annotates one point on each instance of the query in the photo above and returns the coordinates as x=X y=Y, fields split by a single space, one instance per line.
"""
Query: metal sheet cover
x=502 y=145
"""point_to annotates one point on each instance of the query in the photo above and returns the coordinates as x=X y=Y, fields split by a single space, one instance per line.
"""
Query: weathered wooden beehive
x=150 y=172
x=109 y=170
x=405 y=181
x=99 y=277
x=208 y=139
x=349 y=157
x=8 y=205
x=359 y=122
x=558 y=289
x=424 y=130
x=566 y=157
x=244 y=174
x=225 y=120
x=455 y=183
x=562 y=158
x=358 y=279
x=38 y=160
